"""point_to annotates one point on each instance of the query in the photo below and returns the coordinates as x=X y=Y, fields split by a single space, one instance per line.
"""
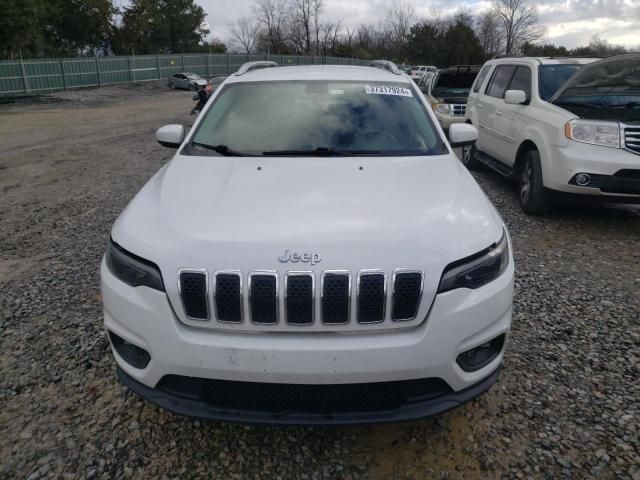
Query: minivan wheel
x=469 y=159
x=534 y=197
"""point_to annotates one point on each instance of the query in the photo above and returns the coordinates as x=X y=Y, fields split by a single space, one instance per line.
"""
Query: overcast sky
x=568 y=22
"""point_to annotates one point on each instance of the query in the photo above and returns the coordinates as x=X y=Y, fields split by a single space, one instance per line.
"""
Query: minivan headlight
x=605 y=134
x=444 y=108
x=477 y=270
x=133 y=270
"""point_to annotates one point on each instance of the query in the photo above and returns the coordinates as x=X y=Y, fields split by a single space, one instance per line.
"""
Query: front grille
x=300 y=301
x=263 y=298
x=632 y=139
x=459 y=110
x=279 y=398
x=228 y=297
x=193 y=290
x=407 y=289
x=299 y=298
x=336 y=297
x=371 y=297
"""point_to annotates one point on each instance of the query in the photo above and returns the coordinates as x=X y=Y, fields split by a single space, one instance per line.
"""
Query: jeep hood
x=242 y=213
x=608 y=89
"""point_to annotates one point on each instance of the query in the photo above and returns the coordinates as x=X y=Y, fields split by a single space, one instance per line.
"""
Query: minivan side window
x=480 y=78
x=500 y=80
x=522 y=81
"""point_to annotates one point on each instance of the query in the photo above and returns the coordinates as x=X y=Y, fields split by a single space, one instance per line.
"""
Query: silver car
x=186 y=80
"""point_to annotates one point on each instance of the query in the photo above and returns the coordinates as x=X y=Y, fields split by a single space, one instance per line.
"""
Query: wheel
x=172 y=86
x=193 y=87
x=469 y=159
x=534 y=197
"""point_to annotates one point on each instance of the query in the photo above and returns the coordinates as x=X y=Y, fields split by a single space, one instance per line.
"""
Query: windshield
x=453 y=84
x=193 y=76
x=552 y=77
x=309 y=118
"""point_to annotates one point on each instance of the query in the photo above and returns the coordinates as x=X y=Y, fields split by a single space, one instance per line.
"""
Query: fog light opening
x=583 y=179
x=480 y=356
x=132 y=354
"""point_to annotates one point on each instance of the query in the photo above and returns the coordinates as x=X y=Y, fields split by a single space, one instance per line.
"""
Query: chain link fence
x=37 y=76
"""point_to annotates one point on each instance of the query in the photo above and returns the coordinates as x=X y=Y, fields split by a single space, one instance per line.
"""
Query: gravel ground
x=566 y=405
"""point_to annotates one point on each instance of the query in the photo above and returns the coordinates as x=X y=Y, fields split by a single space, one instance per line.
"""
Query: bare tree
x=400 y=15
x=518 y=22
x=245 y=33
x=489 y=33
x=305 y=22
x=272 y=14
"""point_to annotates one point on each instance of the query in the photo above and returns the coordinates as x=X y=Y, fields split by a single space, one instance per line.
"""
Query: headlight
x=133 y=270
x=477 y=270
x=442 y=108
x=606 y=134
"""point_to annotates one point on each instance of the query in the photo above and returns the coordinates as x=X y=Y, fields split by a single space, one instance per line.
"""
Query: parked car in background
x=449 y=91
x=424 y=84
x=186 y=81
x=261 y=276
x=559 y=125
x=418 y=71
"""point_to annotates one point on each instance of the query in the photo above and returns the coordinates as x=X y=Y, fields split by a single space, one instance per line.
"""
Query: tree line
x=299 y=27
x=37 y=28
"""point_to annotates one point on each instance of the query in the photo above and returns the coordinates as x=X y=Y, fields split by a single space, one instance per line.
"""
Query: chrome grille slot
x=299 y=295
x=407 y=290
x=263 y=297
x=192 y=286
x=336 y=297
x=227 y=296
x=371 y=297
x=632 y=139
x=459 y=110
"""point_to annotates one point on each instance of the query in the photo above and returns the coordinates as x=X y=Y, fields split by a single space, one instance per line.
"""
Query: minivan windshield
x=317 y=118
x=552 y=77
x=453 y=84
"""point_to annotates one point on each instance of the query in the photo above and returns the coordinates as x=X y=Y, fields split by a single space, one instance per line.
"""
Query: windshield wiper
x=221 y=149
x=320 y=152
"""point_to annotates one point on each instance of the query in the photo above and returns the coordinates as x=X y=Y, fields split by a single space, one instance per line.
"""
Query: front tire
x=172 y=86
x=534 y=197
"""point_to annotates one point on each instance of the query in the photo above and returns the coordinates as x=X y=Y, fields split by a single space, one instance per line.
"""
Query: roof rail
x=247 y=67
x=507 y=55
x=386 y=65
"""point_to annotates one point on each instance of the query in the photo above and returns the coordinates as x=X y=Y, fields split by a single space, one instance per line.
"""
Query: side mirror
x=515 y=97
x=170 y=136
x=462 y=135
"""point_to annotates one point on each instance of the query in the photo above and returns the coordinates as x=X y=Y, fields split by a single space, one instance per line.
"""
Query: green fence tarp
x=38 y=76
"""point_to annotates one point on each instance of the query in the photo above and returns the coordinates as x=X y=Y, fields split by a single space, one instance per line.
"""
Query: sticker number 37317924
x=384 y=90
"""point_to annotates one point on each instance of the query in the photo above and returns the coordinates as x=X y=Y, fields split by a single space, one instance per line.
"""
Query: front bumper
x=200 y=409
x=447 y=120
x=602 y=164
x=459 y=320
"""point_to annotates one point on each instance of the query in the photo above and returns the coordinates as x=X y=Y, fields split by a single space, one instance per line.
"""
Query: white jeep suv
x=313 y=253
x=559 y=125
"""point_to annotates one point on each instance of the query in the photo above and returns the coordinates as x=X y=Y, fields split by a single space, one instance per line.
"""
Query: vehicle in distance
x=313 y=253
x=418 y=71
x=569 y=125
x=186 y=81
x=449 y=91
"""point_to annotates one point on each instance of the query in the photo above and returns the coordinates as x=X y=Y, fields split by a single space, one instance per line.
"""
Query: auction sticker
x=384 y=90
